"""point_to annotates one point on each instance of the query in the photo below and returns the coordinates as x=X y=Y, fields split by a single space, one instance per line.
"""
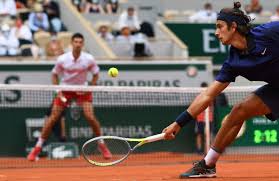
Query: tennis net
x=122 y=111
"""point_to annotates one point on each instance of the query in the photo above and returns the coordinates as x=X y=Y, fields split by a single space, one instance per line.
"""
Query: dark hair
x=242 y=28
x=207 y=6
x=77 y=35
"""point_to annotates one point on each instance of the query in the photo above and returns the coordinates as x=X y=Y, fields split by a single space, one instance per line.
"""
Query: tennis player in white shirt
x=72 y=68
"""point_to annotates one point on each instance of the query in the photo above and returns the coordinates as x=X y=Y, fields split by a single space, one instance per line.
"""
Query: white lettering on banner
x=208 y=37
x=123 y=131
x=148 y=83
x=263 y=121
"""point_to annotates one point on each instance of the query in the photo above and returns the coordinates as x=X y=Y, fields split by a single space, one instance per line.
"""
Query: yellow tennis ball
x=113 y=72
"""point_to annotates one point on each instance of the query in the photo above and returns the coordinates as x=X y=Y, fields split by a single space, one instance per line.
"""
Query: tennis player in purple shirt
x=254 y=54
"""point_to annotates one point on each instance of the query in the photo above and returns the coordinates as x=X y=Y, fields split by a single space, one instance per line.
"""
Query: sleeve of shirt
x=31 y=22
x=93 y=67
x=226 y=74
x=58 y=68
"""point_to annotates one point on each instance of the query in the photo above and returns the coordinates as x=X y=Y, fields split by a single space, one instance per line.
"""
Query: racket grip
x=156 y=137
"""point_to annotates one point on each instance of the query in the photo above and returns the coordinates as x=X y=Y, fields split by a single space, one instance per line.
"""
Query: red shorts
x=68 y=96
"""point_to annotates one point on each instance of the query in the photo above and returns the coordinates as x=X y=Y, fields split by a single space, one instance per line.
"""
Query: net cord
x=118 y=88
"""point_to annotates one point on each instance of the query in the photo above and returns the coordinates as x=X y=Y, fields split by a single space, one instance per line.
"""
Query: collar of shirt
x=73 y=58
x=251 y=45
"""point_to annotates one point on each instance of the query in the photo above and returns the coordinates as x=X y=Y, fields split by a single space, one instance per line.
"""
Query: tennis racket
x=110 y=150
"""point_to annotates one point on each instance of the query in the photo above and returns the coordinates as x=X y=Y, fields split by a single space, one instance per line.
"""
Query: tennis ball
x=113 y=72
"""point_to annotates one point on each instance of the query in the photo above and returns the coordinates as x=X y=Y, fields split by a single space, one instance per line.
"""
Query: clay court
x=139 y=168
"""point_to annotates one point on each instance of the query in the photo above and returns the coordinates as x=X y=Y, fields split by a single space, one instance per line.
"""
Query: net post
x=207 y=131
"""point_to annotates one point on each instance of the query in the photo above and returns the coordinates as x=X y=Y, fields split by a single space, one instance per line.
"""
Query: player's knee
x=239 y=110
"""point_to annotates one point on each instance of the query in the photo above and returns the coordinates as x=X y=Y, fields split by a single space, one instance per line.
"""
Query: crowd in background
x=254 y=9
x=97 y=6
x=22 y=21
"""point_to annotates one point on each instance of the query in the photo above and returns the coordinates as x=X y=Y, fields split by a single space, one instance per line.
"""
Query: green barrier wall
x=200 y=40
x=121 y=121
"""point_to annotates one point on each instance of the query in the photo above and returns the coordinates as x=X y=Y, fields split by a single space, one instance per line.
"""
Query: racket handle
x=156 y=137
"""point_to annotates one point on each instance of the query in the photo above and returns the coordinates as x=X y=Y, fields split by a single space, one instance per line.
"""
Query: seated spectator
x=93 y=6
x=125 y=34
x=275 y=17
x=254 y=7
x=129 y=18
x=51 y=8
x=9 y=43
x=78 y=4
x=138 y=42
x=111 y=6
x=207 y=15
x=20 y=4
x=7 y=8
x=54 y=47
x=104 y=32
x=38 y=20
x=23 y=32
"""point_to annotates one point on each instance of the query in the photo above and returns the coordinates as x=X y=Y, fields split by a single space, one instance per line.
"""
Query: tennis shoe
x=199 y=170
x=104 y=150
x=34 y=154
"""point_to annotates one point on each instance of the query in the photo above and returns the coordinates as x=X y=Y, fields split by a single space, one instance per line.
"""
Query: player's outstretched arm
x=200 y=103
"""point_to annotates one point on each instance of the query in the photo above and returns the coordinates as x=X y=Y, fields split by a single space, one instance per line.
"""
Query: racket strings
x=96 y=150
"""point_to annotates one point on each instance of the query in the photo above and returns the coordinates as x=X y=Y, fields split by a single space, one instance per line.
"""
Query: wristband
x=184 y=118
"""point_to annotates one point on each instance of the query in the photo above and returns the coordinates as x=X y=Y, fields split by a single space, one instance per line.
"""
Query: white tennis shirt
x=74 y=72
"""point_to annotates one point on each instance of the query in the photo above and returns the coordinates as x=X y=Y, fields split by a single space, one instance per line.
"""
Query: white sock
x=211 y=157
x=40 y=142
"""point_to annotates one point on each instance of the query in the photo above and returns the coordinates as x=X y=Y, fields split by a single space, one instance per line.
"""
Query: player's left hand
x=171 y=131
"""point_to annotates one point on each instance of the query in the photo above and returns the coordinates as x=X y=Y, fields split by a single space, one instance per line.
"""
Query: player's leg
x=51 y=121
x=89 y=115
x=55 y=114
x=250 y=107
x=95 y=125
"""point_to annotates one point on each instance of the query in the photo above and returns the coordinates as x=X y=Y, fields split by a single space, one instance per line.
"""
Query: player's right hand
x=171 y=131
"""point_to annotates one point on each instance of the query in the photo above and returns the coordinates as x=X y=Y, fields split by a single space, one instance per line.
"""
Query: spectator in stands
x=20 y=4
x=7 y=8
x=93 y=6
x=125 y=34
x=275 y=17
x=104 y=32
x=54 y=48
x=24 y=36
x=23 y=32
x=111 y=6
x=77 y=4
x=51 y=8
x=129 y=19
x=139 y=44
x=38 y=20
x=9 y=43
x=207 y=15
x=254 y=7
